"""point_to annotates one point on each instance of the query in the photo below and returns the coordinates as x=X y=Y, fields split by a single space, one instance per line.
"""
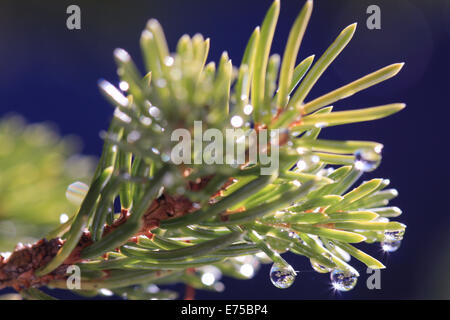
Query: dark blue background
x=48 y=73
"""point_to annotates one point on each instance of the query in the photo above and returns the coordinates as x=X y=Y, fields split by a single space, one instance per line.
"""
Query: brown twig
x=189 y=293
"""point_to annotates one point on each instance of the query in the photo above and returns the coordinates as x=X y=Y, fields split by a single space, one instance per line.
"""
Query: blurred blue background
x=49 y=73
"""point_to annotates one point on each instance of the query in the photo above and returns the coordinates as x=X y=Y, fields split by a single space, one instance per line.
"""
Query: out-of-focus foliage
x=36 y=165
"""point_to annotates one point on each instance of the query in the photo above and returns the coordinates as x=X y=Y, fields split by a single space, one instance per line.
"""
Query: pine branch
x=34 y=157
x=193 y=222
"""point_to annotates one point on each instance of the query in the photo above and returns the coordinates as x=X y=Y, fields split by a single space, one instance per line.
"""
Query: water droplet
x=165 y=157
x=325 y=254
x=378 y=148
x=76 y=192
x=248 y=109
x=113 y=93
x=63 y=218
x=106 y=292
x=208 y=279
x=154 y=112
x=122 y=55
x=124 y=86
x=250 y=260
x=122 y=116
x=219 y=286
x=367 y=159
x=307 y=160
x=344 y=255
x=168 y=179
x=133 y=136
x=158 y=128
x=146 y=121
x=318 y=267
x=390 y=246
x=247 y=270
x=343 y=280
x=321 y=125
x=301 y=165
x=325 y=172
x=282 y=277
x=212 y=270
x=394 y=235
x=236 y=121
x=168 y=61
x=151 y=288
